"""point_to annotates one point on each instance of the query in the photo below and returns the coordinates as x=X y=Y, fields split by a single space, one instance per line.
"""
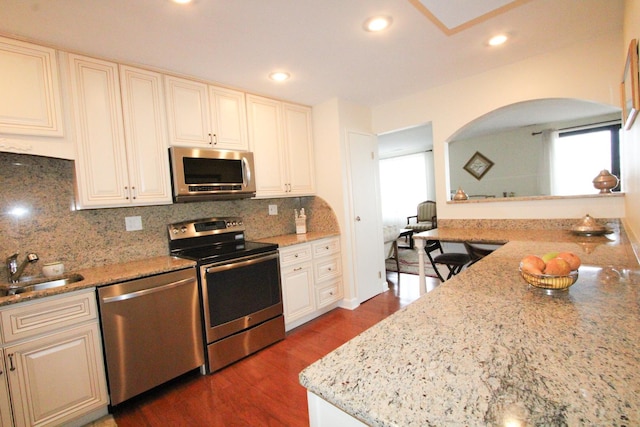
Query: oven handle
x=144 y=292
x=238 y=263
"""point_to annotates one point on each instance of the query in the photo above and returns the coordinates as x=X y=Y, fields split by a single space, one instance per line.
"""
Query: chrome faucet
x=14 y=270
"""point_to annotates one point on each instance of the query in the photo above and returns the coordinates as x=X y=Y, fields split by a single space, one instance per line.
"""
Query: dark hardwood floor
x=263 y=389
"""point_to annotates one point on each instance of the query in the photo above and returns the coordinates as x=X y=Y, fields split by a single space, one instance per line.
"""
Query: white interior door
x=366 y=215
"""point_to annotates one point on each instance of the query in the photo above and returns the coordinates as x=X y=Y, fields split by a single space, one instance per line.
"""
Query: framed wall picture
x=478 y=165
x=629 y=87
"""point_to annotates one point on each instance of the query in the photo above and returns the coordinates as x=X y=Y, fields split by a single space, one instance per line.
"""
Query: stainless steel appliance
x=208 y=174
x=152 y=331
x=239 y=285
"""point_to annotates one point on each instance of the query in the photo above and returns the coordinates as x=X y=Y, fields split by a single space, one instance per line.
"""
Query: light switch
x=273 y=209
x=133 y=223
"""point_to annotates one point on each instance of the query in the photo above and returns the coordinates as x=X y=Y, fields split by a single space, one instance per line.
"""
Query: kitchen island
x=485 y=348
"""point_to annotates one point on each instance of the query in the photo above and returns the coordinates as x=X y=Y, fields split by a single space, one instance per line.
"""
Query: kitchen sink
x=39 y=284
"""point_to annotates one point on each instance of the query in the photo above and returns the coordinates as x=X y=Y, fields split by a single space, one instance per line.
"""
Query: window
x=579 y=155
x=403 y=184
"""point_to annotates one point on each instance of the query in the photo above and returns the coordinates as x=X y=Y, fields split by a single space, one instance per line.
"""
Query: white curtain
x=403 y=184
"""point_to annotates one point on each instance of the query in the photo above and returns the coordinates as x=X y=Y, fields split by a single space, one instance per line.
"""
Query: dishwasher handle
x=144 y=292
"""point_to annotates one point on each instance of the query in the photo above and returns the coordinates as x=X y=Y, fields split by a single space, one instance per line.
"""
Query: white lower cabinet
x=52 y=361
x=311 y=280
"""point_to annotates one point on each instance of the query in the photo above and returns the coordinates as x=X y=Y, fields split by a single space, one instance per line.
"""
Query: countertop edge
x=106 y=275
x=296 y=239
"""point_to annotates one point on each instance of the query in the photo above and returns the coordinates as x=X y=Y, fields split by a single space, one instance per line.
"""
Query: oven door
x=240 y=294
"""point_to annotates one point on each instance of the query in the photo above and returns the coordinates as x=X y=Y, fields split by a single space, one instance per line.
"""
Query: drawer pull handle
x=297 y=269
x=11 y=367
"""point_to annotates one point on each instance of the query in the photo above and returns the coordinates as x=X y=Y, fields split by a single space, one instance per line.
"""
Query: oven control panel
x=205 y=227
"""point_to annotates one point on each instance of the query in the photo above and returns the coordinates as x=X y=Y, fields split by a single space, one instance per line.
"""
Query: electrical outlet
x=133 y=223
x=273 y=209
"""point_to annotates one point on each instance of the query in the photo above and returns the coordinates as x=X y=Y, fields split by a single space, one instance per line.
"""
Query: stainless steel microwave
x=207 y=174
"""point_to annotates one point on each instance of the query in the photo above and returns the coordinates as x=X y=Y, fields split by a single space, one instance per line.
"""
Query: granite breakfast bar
x=485 y=348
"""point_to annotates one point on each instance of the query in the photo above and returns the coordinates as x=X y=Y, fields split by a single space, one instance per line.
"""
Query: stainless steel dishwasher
x=152 y=331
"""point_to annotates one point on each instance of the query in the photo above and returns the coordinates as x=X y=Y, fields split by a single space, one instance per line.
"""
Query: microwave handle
x=245 y=172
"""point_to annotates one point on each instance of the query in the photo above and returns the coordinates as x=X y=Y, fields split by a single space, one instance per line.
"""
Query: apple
x=571 y=258
x=529 y=267
x=557 y=267
x=549 y=256
x=533 y=261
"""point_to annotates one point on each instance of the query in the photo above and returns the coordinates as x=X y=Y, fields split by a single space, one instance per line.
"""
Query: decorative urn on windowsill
x=605 y=181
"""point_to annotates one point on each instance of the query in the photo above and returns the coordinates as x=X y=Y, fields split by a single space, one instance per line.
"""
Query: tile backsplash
x=37 y=214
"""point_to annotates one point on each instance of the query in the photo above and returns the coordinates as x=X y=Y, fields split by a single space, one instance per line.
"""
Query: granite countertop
x=106 y=275
x=485 y=348
x=295 y=239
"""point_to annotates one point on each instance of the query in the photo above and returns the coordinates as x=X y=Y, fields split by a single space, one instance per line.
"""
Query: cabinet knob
x=126 y=189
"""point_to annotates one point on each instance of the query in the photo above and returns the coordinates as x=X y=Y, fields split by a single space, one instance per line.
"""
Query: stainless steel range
x=239 y=280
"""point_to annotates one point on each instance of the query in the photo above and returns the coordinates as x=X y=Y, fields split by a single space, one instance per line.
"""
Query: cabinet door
x=29 y=90
x=297 y=291
x=299 y=143
x=101 y=166
x=266 y=142
x=145 y=135
x=187 y=112
x=5 y=403
x=228 y=119
x=58 y=377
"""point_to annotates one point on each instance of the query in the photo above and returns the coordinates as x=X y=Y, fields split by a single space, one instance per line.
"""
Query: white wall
x=589 y=70
x=506 y=175
x=331 y=122
x=631 y=140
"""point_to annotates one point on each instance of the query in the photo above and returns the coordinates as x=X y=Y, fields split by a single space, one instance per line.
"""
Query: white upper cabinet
x=280 y=137
x=145 y=135
x=201 y=115
x=299 y=145
x=228 y=118
x=31 y=114
x=114 y=170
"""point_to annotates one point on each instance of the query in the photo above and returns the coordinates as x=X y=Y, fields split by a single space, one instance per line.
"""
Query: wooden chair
x=454 y=261
x=426 y=217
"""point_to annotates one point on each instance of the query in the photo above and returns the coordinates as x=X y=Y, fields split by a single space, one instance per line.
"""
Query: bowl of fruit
x=554 y=270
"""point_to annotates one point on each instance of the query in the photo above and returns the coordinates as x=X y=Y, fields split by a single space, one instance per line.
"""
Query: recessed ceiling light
x=377 y=23
x=182 y=1
x=279 y=76
x=498 y=40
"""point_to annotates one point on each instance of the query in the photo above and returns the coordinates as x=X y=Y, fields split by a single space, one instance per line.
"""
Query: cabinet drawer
x=52 y=313
x=326 y=247
x=295 y=254
x=328 y=293
x=327 y=268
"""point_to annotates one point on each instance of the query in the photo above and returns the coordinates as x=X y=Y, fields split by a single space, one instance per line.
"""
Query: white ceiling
x=320 y=42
